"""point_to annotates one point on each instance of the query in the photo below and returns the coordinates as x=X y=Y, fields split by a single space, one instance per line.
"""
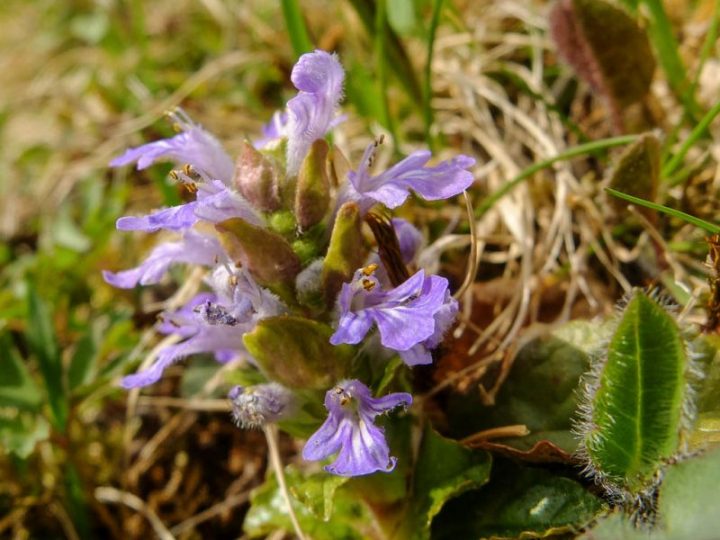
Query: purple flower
x=194 y=248
x=275 y=129
x=215 y=203
x=409 y=239
x=411 y=314
x=444 y=318
x=175 y=218
x=193 y=145
x=255 y=406
x=350 y=430
x=393 y=186
x=319 y=78
x=212 y=323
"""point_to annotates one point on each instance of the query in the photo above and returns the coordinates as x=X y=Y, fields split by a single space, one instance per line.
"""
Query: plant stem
x=271 y=434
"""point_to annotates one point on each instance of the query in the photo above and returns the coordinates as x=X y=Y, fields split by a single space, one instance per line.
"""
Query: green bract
x=635 y=408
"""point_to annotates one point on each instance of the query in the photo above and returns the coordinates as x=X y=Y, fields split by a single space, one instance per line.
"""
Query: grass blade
x=397 y=57
x=666 y=46
x=427 y=82
x=706 y=225
x=579 y=150
x=381 y=31
x=672 y=165
x=297 y=30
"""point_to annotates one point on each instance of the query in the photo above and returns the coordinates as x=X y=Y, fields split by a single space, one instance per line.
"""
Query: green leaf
x=518 y=502
x=607 y=48
x=636 y=408
x=317 y=493
x=296 y=352
x=40 y=335
x=324 y=511
x=444 y=470
x=617 y=526
x=638 y=168
x=401 y=16
x=684 y=506
x=541 y=389
x=266 y=254
x=20 y=433
x=706 y=429
x=17 y=388
x=687 y=488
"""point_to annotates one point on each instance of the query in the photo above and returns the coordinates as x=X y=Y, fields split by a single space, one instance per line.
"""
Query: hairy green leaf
x=541 y=389
x=444 y=469
x=684 y=506
x=518 y=502
x=607 y=48
x=636 y=410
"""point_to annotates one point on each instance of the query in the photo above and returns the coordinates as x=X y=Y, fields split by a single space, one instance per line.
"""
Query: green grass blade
x=579 y=150
x=708 y=45
x=706 y=225
x=397 y=57
x=297 y=30
x=666 y=47
x=427 y=82
x=699 y=130
x=636 y=410
x=382 y=29
x=41 y=338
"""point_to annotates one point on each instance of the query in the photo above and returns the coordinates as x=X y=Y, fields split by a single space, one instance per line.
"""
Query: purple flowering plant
x=294 y=290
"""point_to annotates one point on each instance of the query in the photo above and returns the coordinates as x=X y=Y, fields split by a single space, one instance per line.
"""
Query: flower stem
x=271 y=434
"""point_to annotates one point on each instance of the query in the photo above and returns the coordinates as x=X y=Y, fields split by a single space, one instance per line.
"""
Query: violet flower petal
x=209 y=339
x=393 y=186
x=319 y=78
x=275 y=129
x=216 y=202
x=194 y=248
x=409 y=239
x=194 y=146
x=174 y=218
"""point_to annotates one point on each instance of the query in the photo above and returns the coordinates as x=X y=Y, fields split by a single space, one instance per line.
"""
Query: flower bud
x=256 y=178
x=312 y=197
x=255 y=406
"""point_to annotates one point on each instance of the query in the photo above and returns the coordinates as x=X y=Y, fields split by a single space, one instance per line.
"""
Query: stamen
x=370 y=269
